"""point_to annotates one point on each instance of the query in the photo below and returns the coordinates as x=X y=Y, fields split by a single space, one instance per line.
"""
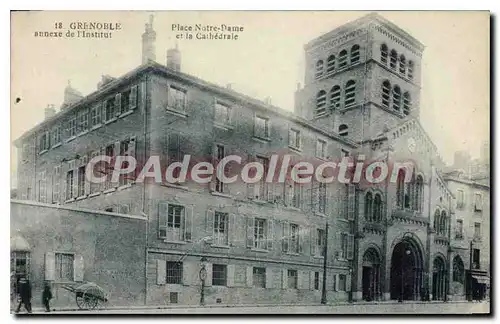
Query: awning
x=482 y=279
x=19 y=243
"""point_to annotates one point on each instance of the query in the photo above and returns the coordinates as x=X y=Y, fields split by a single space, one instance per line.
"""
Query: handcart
x=88 y=295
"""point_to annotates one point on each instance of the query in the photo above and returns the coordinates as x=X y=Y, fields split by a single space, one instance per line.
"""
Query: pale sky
x=266 y=61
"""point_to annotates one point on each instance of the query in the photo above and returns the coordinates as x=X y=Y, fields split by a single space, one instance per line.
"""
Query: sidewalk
x=150 y=307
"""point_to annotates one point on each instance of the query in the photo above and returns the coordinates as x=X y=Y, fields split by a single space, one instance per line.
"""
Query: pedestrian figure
x=24 y=287
x=46 y=296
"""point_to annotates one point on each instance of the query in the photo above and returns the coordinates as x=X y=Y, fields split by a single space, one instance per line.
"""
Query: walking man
x=46 y=296
x=24 y=287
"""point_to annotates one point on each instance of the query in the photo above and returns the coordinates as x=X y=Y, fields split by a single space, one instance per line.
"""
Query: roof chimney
x=105 y=79
x=267 y=100
x=229 y=86
x=50 y=111
x=174 y=58
x=71 y=96
x=148 y=42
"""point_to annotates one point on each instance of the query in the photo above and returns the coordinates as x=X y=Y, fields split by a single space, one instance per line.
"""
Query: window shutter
x=350 y=246
x=50 y=266
x=337 y=282
x=269 y=278
x=230 y=275
x=131 y=152
x=300 y=279
x=314 y=196
x=285 y=236
x=250 y=231
x=162 y=219
x=78 y=268
x=321 y=273
x=188 y=223
x=133 y=98
x=232 y=235
x=213 y=182
x=301 y=234
x=270 y=234
x=288 y=192
x=210 y=222
x=251 y=190
x=249 y=276
x=284 y=278
x=87 y=183
x=161 y=272
x=314 y=240
x=208 y=281
x=351 y=201
x=188 y=274
x=103 y=111
x=311 y=279
x=75 y=178
x=118 y=106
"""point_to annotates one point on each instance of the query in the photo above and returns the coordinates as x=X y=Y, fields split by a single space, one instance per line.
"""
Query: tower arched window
x=330 y=64
x=319 y=69
x=394 y=59
x=377 y=208
x=384 y=52
x=350 y=93
x=369 y=207
x=355 y=54
x=437 y=221
x=321 y=103
x=406 y=103
x=419 y=193
x=342 y=59
x=335 y=97
x=444 y=222
x=396 y=98
x=343 y=130
x=400 y=188
x=402 y=64
x=386 y=93
x=410 y=69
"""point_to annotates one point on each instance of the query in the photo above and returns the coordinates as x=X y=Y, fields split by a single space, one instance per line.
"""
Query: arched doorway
x=371 y=275
x=439 y=274
x=407 y=270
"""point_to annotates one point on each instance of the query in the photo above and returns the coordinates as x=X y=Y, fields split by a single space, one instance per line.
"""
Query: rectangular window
x=69 y=184
x=262 y=186
x=343 y=246
x=478 y=202
x=477 y=231
x=56 y=135
x=221 y=229
x=42 y=187
x=219 y=275
x=320 y=243
x=261 y=127
x=260 y=237
x=292 y=279
x=175 y=222
x=95 y=115
x=97 y=171
x=342 y=282
x=110 y=108
x=20 y=263
x=294 y=238
x=219 y=185
x=296 y=194
x=125 y=101
x=44 y=142
x=64 y=266
x=222 y=114
x=125 y=147
x=72 y=127
x=321 y=149
x=259 y=277
x=25 y=152
x=294 y=138
x=83 y=120
x=176 y=99
x=316 y=280
x=81 y=181
x=459 y=230
x=56 y=185
x=460 y=198
x=174 y=272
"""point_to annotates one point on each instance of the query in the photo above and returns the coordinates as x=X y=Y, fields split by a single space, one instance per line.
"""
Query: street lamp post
x=350 y=290
x=325 y=253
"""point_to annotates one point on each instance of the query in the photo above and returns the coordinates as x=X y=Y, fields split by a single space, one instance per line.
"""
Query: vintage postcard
x=274 y=162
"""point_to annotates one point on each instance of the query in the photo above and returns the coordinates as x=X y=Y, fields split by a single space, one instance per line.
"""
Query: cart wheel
x=80 y=300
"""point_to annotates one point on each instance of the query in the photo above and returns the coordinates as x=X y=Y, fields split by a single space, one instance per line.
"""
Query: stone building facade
x=262 y=243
